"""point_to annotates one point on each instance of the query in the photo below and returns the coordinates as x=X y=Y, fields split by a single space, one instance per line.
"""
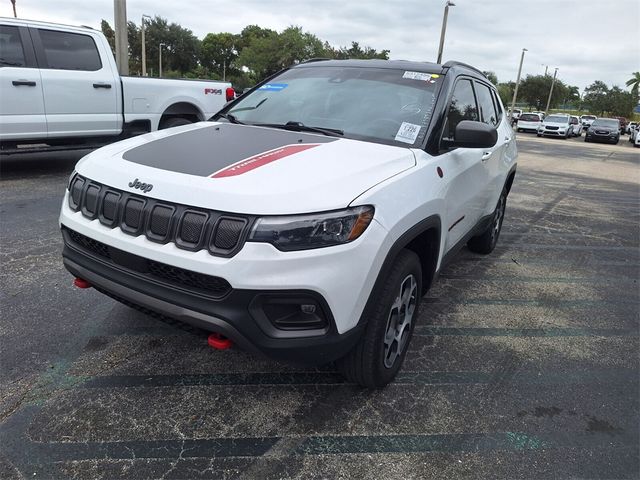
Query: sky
x=586 y=40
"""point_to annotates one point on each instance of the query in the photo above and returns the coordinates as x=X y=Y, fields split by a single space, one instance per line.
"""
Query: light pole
x=546 y=110
x=515 y=90
x=162 y=44
x=546 y=68
x=444 y=28
x=144 y=47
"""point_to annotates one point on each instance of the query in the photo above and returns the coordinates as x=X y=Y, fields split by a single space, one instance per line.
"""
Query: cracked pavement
x=524 y=363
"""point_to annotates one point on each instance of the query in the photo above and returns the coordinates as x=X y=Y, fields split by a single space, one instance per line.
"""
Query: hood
x=246 y=169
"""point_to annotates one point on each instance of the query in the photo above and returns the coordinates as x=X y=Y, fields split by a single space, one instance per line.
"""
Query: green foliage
x=493 y=78
x=505 y=90
x=634 y=83
x=242 y=59
x=534 y=90
x=601 y=100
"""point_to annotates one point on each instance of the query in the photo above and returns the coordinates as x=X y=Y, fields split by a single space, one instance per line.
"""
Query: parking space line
x=593 y=376
x=432 y=330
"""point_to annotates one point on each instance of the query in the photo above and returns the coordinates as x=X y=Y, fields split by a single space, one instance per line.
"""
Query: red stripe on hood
x=251 y=163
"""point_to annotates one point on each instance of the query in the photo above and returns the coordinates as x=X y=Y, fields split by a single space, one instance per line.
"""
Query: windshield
x=375 y=104
x=588 y=117
x=605 y=122
x=529 y=117
x=556 y=119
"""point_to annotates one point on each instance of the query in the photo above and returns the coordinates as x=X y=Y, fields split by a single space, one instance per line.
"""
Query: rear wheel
x=487 y=240
x=379 y=354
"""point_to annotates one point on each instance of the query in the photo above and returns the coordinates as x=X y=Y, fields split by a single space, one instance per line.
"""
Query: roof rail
x=315 y=59
x=454 y=63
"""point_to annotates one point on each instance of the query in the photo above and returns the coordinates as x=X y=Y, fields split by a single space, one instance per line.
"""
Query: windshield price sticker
x=425 y=77
x=273 y=87
x=407 y=133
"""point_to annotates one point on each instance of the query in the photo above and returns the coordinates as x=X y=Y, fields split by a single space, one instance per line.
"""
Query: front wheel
x=486 y=241
x=379 y=354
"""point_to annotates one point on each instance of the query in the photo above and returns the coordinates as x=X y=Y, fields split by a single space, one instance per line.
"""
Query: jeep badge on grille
x=145 y=187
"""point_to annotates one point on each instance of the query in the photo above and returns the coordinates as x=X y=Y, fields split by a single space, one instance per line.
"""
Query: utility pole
x=13 y=2
x=546 y=110
x=122 y=44
x=444 y=28
x=160 y=59
x=144 y=46
x=515 y=90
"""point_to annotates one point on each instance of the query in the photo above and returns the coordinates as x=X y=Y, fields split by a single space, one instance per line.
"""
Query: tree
x=355 y=51
x=620 y=103
x=534 y=90
x=218 y=52
x=634 y=83
x=108 y=32
x=505 y=90
x=493 y=78
x=595 y=97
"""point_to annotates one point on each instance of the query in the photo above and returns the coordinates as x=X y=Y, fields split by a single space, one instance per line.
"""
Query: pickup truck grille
x=209 y=285
x=193 y=229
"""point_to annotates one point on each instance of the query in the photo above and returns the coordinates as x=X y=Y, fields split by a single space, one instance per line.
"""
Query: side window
x=11 y=51
x=70 y=51
x=496 y=102
x=462 y=107
x=487 y=108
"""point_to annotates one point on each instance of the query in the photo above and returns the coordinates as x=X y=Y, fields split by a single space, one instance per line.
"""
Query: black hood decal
x=207 y=150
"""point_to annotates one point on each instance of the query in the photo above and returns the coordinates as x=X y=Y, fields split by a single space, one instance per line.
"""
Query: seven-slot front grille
x=188 y=228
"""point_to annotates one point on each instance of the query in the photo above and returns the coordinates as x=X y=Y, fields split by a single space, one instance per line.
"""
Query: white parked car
x=630 y=127
x=529 y=122
x=555 y=125
x=587 y=120
x=308 y=220
x=59 y=85
x=576 y=126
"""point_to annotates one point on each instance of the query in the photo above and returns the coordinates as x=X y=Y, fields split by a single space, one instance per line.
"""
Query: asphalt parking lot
x=524 y=363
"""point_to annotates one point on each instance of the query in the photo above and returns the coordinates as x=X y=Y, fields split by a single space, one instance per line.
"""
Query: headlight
x=302 y=232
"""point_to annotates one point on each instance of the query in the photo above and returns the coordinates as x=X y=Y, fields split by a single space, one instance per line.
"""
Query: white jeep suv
x=309 y=217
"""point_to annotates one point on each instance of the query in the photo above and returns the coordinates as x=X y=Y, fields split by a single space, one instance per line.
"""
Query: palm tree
x=634 y=83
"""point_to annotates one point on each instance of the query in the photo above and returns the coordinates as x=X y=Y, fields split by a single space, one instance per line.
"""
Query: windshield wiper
x=230 y=117
x=301 y=127
x=250 y=108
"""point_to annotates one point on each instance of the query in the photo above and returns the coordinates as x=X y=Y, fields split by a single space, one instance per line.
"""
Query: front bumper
x=594 y=137
x=340 y=279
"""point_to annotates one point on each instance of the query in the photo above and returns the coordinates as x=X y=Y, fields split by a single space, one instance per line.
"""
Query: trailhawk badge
x=145 y=187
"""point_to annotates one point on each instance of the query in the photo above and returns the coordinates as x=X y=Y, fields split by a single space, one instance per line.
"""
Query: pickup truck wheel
x=173 y=122
x=378 y=356
x=487 y=240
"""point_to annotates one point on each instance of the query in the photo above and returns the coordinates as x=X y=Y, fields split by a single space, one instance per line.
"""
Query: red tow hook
x=219 y=341
x=81 y=283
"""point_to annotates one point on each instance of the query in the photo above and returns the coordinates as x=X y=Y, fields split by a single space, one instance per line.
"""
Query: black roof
x=426 y=67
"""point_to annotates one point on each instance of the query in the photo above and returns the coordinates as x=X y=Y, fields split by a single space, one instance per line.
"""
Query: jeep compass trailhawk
x=308 y=217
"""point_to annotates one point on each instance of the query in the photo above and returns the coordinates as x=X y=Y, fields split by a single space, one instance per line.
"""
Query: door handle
x=25 y=83
x=486 y=156
x=101 y=85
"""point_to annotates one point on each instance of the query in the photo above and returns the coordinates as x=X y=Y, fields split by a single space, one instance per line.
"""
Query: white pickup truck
x=59 y=86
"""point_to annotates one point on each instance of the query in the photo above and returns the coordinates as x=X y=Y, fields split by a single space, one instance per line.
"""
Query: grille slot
x=132 y=217
x=109 y=212
x=90 y=204
x=160 y=222
x=215 y=287
x=228 y=232
x=189 y=229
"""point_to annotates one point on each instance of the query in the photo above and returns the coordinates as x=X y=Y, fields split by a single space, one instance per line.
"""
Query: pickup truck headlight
x=303 y=232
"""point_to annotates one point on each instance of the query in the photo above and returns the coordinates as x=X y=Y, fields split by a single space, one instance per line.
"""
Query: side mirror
x=471 y=134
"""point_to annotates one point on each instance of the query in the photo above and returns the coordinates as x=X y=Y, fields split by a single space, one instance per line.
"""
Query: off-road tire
x=486 y=241
x=365 y=363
